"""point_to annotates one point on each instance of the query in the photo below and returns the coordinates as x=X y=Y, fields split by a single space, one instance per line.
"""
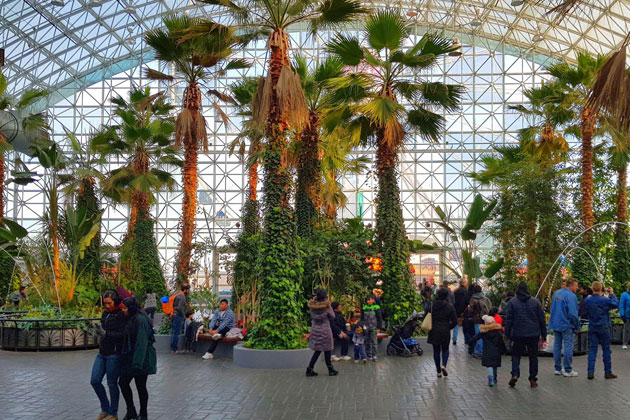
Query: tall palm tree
x=382 y=76
x=308 y=199
x=578 y=80
x=193 y=61
x=280 y=107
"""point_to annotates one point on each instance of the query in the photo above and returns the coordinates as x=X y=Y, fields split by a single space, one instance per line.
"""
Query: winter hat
x=487 y=319
x=334 y=305
x=522 y=287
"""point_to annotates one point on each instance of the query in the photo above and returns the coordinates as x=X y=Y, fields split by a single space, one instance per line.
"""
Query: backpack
x=167 y=308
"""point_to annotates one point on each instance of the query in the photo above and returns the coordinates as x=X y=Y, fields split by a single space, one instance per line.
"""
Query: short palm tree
x=577 y=81
x=280 y=107
x=380 y=77
x=193 y=60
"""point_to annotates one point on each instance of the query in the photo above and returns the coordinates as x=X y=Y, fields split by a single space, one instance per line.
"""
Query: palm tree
x=193 y=61
x=308 y=198
x=577 y=81
x=280 y=107
x=381 y=76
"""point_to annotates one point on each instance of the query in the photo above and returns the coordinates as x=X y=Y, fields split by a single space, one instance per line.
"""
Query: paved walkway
x=56 y=386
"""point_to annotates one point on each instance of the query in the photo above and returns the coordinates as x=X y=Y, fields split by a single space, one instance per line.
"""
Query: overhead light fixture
x=59 y=3
x=458 y=51
x=412 y=13
x=516 y=3
x=131 y=41
x=476 y=22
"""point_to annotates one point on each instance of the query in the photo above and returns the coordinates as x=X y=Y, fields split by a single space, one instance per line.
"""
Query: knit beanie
x=487 y=319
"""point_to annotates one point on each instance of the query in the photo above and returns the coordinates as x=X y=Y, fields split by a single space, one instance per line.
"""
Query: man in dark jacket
x=177 y=321
x=345 y=336
x=461 y=301
x=524 y=324
x=598 y=308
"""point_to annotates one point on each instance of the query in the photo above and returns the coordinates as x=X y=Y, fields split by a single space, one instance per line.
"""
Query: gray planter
x=163 y=343
x=272 y=359
x=15 y=338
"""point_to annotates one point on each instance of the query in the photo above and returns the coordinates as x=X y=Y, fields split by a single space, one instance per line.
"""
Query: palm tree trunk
x=139 y=200
x=390 y=231
x=193 y=102
x=622 y=195
x=253 y=182
x=588 y=126
x=2 y=174
x=309 y=178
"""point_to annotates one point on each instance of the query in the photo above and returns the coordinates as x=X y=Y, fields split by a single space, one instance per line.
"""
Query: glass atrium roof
x=64 y=46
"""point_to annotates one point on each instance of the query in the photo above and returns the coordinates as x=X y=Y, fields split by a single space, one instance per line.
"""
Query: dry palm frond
x=260 y=107
x=190 y=124
x=158 y=75
x=222 y=96
x=564 y=8
x=222 y=114
x=394 y=134
x=278 y=39
x=146 y=102
x=291 y=98
x=608 y=90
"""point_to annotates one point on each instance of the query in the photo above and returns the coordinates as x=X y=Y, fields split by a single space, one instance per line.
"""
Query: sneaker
x=207 y=356
x=624 y=347
x=558 y=372
x=444 y=372
x=334 y=358
x=217 y=336
x=610 y=376
x=439 y=375
x=490 y=381
x=454 y=342
x=356 y=361
x=533 y=384
x=571 y=374
x=345 y=358
x=374 y=359
x=364 y=361
x=495 y=381
x=512 y=382
x=101 y=416
x=591 y=375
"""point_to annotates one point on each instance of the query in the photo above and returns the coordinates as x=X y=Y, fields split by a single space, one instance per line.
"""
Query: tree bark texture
x=309 y=178
x=588 y=126
x=622 y=195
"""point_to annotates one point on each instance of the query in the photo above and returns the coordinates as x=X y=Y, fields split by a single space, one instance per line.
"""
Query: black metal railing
x=47 y=334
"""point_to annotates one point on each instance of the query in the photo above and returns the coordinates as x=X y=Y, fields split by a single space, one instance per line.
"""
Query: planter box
x=14 y=338
x=616 y=333
x=580 y=346
x=272 y=359
x=163 y=343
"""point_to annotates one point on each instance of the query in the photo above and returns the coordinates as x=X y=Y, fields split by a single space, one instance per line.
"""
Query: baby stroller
x=402 y=344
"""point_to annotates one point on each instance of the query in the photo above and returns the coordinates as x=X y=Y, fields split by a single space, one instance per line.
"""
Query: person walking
x=461 y=301
x=138 y=358
x=563 y=321
x=150 y=304
x=322 y=329
x=598 y=308
x=524 y=324
x=624 y=313
x=480 y=305
x=107 y=362
x=493 y=347
x=443 y=320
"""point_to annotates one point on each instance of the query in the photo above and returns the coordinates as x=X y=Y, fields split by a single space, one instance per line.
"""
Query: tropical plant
x=280 y=106
x=577 y=81
x=380 y=76
x=78 y=230
x=193 y=59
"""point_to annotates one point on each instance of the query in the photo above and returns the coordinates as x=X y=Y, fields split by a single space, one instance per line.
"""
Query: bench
x=224 y=350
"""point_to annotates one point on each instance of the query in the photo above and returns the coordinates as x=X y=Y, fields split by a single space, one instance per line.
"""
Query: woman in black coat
x=443 y=320
x=493 y=346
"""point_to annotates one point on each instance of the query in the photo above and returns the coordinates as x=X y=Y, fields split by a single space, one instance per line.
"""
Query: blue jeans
x=176 y=324
x=596 y=337
x=563 y=339
x=359 y=351
x=479 y=345
x=455 y=332
x=109 y=365
x=439 y=350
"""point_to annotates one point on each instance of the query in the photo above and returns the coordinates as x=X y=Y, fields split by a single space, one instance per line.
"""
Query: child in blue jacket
x=598 y=307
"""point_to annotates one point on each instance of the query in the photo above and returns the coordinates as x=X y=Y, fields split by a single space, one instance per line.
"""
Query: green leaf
x=427 y=124
x=3 y=84
x=386 y=29
x=17 y=230
x=493 y=268
x=472 y=266
x=346 y=48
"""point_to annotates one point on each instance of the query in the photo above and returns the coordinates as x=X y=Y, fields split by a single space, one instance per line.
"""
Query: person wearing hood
x=107 y=362
x=443 y=320
x=138 y=359
x=322 y=329
x=504 y=302
x=524 y=324
x=598 y=308
x=480 y=305
x=563 y=321
x=493 y=347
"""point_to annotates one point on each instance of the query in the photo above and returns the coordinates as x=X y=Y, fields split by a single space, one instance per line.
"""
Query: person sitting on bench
x=222 y=321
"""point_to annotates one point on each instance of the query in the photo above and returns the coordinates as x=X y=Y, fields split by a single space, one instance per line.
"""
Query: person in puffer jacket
x=598 y=308
x=524 y=324
x=372 y=316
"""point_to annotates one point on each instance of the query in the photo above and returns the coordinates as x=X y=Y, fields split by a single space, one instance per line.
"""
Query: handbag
x=427 y=322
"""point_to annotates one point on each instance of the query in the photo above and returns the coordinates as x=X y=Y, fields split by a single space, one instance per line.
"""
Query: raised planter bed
x=616 y=333
x=47 y=334
x=272 y=359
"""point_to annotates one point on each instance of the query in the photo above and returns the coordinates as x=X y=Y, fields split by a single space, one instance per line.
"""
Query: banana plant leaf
x=479 y=212
x=493 y=268
x=472 y=266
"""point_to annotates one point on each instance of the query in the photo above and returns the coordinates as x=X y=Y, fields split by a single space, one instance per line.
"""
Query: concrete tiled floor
x=56 y=386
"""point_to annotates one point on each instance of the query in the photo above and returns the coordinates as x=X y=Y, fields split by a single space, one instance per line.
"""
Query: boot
x=131 y=414
x=512 y=382
x=490 y=381
x=610 y=376
x=310 y=372
x=533 y=383
x=331 y=371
